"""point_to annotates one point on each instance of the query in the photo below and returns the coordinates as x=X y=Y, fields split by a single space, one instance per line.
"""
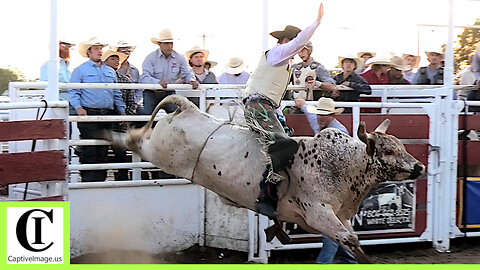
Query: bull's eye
x=389 y=152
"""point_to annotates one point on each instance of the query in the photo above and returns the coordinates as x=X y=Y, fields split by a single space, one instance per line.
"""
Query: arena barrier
x=39 y=173
x=434 y=141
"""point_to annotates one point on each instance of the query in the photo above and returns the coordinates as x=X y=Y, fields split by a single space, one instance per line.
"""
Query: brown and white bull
x=327 y=178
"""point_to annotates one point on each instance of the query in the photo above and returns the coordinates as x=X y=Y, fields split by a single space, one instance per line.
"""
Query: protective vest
x=268 y=81
x=300 y=74
x=423 y=79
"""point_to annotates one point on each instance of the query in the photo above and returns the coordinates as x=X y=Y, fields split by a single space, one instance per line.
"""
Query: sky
x=232 y=28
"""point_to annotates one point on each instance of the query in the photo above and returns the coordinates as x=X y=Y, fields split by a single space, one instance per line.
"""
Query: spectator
x=433 y=73
x=475 y=94
x=113 y=60
x=263 y=94
x=209 y=64
x=196 y=58
x=130 y=71
x=64 y=73
x=364 y=56
x=234 y=72
x=94 y=102
x=319 y=118
x=411 y=61
x=466 y=77
x=313 y=75
x=395 y=74
x=164 y=66
x=376 y=75
x=349 y=78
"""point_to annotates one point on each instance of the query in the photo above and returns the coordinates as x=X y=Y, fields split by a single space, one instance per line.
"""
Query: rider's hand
x=320 y=13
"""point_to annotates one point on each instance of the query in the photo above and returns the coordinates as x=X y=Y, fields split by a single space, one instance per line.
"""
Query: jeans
x=152 y=98
x=330 y=250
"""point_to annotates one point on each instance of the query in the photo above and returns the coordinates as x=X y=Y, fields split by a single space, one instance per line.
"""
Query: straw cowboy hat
x=65 y=40
x=109 y=53
x=379 y=60
x=357 y=60
x=122 y=44
x=84 y=46
x=325 y=106
x=212 y=63
x=360 y=54
x=234 y=66
x=289 y=32
x=309 y=46
x=397 y=63
x=434 y=50
x=417 y=59
x=165 y=35
x=196 y=49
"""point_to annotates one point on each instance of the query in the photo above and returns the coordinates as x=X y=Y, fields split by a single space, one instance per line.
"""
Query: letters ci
x=22 y=230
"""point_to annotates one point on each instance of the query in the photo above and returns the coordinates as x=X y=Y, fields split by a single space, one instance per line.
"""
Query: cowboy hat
x=63 y=39
x=84 y=46
x=196 y=49
x=435 y=50
x=417 y=58
x=309 y=46
x=212 y=63
x=360 y=54
x=289 y=32
x=165 y=35
x=379 y=60
x=122 y=44
x=325 y=106
x=109 y=53
x=397 y=63
x=357 y=60
x=234 y=66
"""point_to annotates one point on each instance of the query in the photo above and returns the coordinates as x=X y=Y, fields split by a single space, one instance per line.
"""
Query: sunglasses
x=125 y=50
x=65 y=45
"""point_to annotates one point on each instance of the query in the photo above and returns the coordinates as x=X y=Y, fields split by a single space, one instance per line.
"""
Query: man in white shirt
x=264 y=91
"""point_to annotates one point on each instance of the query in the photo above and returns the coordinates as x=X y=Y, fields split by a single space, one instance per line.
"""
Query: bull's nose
x=418 y=169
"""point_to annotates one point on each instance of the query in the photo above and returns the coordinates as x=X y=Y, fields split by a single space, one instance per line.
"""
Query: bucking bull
x=325 y=182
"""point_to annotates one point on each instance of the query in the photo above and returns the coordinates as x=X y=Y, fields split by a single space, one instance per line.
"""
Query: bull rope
x=206 y=140
x=205 y=143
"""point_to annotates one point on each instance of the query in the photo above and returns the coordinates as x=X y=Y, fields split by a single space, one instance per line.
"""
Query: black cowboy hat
x=289 y=32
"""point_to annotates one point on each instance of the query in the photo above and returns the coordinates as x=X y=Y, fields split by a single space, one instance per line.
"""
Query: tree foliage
x=7 y=76
x=467 y=42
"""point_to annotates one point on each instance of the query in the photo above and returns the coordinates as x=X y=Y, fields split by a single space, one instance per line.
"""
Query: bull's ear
x=366 y=139
x=382 y=128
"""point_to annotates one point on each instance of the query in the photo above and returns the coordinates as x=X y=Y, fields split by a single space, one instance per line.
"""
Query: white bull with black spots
x=326 y=179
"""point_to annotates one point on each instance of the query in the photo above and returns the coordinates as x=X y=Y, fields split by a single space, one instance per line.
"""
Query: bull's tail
x=133 y=139
x=182 y=103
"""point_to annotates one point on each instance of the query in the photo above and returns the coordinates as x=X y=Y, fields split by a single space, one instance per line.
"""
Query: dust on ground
x=462 y=252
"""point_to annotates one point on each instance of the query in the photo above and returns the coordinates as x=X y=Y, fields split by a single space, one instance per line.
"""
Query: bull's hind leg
x=322 y=218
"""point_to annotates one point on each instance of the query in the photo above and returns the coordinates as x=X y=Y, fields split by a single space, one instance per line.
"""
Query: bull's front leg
x=321 y=217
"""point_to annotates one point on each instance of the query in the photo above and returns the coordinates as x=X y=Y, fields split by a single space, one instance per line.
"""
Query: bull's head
x=395 y=162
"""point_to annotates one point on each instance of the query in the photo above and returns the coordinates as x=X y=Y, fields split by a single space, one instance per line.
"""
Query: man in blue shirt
x=319 y=118
x=64 y=73
x=164 y=66
x=94 y=102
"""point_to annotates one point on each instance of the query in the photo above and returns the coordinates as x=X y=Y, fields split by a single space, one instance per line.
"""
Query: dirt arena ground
x=462 y=252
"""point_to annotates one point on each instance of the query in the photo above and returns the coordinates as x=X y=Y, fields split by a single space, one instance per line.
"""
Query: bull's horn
x=182 y=102
x=382 y=128
x=362 y=134
x=366 y=138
